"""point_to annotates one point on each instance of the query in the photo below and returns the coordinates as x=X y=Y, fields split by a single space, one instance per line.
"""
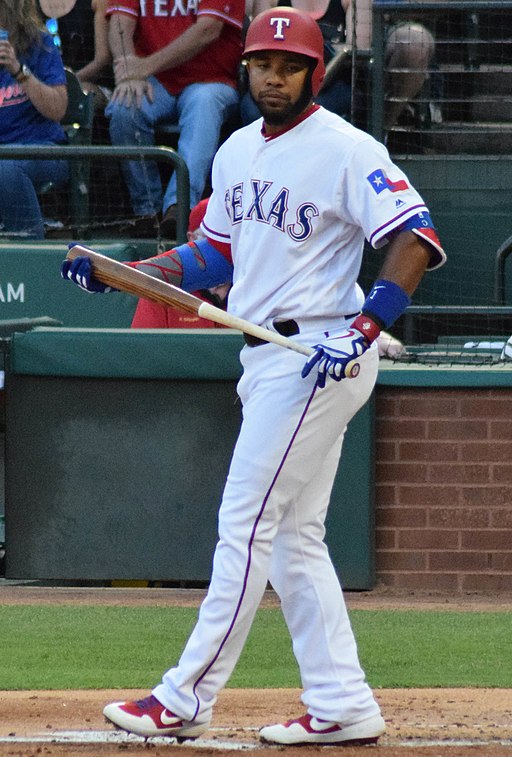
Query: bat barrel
x=130 y=280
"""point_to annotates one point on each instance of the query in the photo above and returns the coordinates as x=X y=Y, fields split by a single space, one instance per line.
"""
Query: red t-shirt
x=152 y=315
x=162 y=21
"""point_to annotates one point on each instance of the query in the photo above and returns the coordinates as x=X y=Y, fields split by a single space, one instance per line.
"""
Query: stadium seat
x=77 y=123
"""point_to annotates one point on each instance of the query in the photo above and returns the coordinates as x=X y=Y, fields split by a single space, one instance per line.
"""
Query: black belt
x=285 y=328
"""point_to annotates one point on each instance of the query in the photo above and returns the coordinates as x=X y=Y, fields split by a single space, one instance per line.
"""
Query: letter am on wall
x=10 y=292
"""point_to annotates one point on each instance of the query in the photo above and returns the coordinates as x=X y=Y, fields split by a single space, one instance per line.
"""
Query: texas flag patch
x=380 y=182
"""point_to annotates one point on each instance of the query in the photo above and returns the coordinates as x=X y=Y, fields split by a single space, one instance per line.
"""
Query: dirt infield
x=423 y=719
x=462 y=722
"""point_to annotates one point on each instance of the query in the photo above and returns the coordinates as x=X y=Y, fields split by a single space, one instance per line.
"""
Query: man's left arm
x=406 y=261
x=193 y=41
x=363 y=25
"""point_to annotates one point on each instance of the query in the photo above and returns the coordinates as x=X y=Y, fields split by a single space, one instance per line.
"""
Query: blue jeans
x=20 y=180
x=200 y=110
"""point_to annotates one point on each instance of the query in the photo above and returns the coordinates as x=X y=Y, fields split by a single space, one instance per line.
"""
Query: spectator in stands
x=33 y=99
x=408 y=53
x=172 y=63
x=152 y=315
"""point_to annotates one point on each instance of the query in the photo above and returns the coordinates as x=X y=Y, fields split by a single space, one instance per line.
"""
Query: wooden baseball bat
x=127 y=279
x=135 y=282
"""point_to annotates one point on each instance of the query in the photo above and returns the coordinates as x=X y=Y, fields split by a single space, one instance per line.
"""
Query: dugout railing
x=110 y=152
x=502 y=254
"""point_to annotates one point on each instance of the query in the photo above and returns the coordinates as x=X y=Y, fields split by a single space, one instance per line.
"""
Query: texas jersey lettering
x=274 y=209
x=168 y=8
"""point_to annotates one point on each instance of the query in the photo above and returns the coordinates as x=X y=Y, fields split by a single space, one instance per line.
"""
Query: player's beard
x=289 y=111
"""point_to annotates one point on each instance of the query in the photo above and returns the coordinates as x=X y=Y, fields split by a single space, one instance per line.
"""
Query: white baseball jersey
x=312 y=229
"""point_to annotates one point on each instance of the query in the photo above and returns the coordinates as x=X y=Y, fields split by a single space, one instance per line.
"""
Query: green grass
x=63 y=647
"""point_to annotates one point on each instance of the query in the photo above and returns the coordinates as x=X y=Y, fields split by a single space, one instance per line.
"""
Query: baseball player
x=294 y=196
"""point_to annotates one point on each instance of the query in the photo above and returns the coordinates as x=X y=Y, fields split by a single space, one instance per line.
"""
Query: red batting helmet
x=291 y=30
x=197 y=214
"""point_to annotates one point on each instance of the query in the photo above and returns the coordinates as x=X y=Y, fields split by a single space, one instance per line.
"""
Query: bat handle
x=352 y=369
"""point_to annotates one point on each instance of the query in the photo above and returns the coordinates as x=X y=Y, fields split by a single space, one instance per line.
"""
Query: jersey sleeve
x=231 y=12
x=216 y=225
x=129 y=7
x=380 y=198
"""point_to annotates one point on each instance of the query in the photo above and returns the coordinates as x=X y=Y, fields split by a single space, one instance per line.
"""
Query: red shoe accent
x=305 y=722
x=309 y=729
x=148 y=717
x=151 y=707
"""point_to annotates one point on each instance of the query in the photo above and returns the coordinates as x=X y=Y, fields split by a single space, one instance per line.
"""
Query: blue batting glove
x=79 y=271
x=337 y=357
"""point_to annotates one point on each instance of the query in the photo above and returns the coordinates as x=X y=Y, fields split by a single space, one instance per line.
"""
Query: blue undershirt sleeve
x=217 y=269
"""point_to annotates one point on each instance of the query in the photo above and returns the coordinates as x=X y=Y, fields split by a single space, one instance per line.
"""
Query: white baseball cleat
x=311 y=730
x=148 y=717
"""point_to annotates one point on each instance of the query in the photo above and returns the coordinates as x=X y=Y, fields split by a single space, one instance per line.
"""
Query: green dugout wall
x=118 y=443
x=31 y=286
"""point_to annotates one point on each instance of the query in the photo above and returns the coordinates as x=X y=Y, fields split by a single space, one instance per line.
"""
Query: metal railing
x=67 y=152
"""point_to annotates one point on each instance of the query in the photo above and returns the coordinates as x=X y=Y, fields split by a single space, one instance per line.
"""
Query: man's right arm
x=121 y=31
x=363 y=30
x=120 y=37
x=258 y=6
x=191 y=266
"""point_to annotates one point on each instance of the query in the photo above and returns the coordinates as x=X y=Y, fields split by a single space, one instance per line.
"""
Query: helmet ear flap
x=289 y=30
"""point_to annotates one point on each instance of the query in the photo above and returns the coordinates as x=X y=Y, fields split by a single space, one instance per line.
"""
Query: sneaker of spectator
x=389 y=346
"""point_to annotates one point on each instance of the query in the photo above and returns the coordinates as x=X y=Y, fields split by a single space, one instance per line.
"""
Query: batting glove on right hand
x=336 y=356
x=79 y=271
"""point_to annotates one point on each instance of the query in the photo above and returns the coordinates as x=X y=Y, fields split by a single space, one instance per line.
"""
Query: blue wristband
x=217 y=270
x=386 y=302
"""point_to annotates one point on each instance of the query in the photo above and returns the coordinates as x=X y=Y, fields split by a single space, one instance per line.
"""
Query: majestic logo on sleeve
x=279 y=23
x=380 y=183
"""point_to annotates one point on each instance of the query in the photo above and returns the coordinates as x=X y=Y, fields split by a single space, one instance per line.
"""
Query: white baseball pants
x=271 y=527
